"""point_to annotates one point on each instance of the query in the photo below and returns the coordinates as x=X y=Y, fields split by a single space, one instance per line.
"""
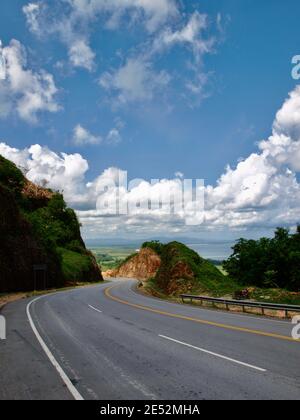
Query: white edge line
x=76 y=395
x=213 y=354
x=95 y=309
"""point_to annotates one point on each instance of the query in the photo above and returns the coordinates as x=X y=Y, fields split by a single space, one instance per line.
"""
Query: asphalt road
x=109 y=343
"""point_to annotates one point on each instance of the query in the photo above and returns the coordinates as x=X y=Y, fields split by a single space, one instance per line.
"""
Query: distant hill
x=37 y=229
x=173 y=268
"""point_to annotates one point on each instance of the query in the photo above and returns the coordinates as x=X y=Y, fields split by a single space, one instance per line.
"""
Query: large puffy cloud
x=98 y=199
x=261 y=191
x=63 y=172
x=287 y=120
x=22 y=90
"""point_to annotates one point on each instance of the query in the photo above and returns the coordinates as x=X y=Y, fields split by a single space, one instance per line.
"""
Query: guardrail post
x=262 y=310
x=286 y=313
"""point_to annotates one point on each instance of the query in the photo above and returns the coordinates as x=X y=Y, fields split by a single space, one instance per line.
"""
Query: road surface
x=108 y=343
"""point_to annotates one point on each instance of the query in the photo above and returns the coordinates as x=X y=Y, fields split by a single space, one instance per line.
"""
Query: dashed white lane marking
x=213 y=354
x=76 y=395
x=95 y=309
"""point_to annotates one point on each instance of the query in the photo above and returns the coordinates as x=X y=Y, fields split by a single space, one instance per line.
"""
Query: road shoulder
x=17 y=382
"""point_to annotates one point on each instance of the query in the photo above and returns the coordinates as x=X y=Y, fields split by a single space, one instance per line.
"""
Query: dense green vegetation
x=37 y=228
x=56 y=225
x=183 y=270
x=267 y=263
x=75 y=265
x=156 y=246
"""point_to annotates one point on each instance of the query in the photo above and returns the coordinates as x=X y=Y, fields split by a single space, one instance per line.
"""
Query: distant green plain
x=111 y=257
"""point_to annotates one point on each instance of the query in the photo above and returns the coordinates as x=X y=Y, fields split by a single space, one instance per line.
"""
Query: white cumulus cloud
x=261 y=191
x=61 y=172
x=82 y=137
x=25 y=91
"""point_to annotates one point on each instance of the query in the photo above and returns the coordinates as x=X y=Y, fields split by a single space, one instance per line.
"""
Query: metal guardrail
x=244 y=304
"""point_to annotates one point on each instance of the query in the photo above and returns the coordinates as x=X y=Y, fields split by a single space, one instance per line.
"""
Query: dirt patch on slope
x=141 y=266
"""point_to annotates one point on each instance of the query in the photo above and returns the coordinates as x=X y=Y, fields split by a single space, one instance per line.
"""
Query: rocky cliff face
x=36 y=228
x=141 y=266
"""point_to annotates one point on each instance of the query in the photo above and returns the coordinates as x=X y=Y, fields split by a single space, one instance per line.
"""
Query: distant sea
x=214 y=250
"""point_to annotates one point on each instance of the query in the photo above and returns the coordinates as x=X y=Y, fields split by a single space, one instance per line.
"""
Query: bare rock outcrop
x=141 y=266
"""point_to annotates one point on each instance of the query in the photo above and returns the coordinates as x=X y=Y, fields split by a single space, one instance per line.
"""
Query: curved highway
x=109 y=343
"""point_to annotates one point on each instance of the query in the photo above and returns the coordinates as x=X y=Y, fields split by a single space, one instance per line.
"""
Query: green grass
x=276 y=296
x=111 y=257
x=74 y=265
x=221 y=268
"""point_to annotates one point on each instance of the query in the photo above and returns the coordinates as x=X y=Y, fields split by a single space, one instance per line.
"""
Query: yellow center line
x=197 y=320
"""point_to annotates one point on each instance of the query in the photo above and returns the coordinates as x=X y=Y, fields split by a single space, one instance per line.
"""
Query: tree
x=267 y=262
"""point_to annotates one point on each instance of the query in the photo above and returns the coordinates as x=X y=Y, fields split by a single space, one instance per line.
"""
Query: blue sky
x=154 y=88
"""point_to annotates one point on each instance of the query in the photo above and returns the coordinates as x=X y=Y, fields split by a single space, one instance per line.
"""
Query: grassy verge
x=276 y=296
x=260 y=295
